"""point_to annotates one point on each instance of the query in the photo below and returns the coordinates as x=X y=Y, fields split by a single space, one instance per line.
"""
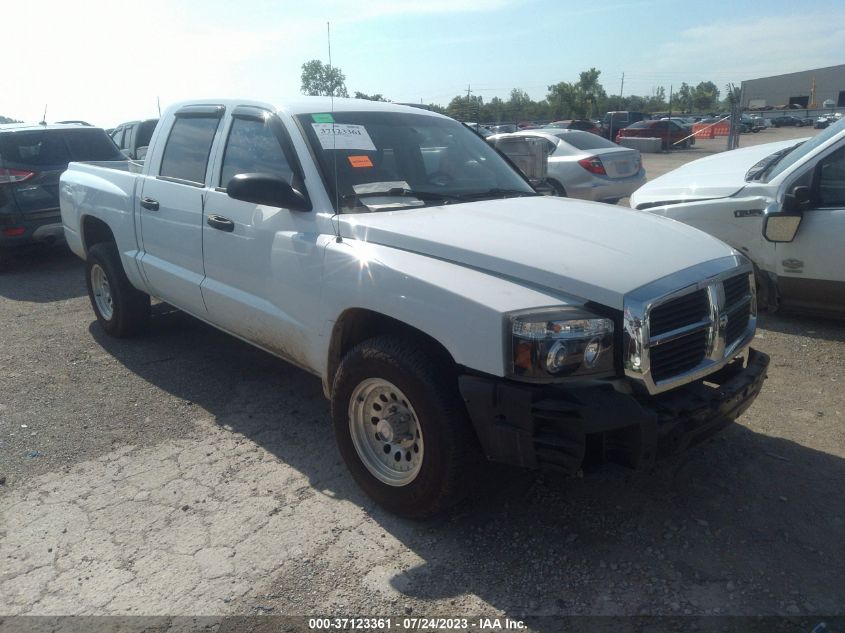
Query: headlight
x=550 y=344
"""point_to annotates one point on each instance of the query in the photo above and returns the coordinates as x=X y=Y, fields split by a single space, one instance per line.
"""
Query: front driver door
x=262 y=263
x=811 y=268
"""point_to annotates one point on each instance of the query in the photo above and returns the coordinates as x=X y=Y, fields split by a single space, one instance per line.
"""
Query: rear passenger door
x=172 y=196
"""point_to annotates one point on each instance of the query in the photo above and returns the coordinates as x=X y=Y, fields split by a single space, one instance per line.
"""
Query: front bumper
x=563 y=429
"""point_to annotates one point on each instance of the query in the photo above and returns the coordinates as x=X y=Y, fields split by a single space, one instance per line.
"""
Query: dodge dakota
x=452 y=314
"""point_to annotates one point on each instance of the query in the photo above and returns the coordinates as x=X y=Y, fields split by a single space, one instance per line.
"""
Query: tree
x=5 y=119
x=684 y=98
x=361 y=95
x=562 y=100
x=319 y=79
x=590 y=93
x=465 y=108
x=705 y=96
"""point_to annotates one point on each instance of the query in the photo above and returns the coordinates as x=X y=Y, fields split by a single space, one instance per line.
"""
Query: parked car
x=585 y=125
x=787 y=120
x=782 y=204
x=671 y=134
x=133 y=137
x=750 y=124
x=504 y=128
x=31 y=159
x=586 y=166
x=616 y=120
x=821 y=122
x=452 y=314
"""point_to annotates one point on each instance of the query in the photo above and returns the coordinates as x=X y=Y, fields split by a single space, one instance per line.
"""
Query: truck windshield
x=800 y=151
x=373 y=161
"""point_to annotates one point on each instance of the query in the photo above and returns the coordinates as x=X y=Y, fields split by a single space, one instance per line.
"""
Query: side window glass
x=831 y=192
x=187 y=149
x=253 y=148
x=117 y=137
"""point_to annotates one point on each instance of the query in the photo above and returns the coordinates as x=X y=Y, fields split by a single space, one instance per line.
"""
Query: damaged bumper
x=562 y=429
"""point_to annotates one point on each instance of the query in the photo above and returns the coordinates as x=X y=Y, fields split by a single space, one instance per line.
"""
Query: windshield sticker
x=380 y=187
x=322 y=118
x=343 y=136
x=360 y=161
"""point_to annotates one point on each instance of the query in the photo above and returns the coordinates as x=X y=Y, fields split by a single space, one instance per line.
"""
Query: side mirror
x=781 y=225
x=266 y=189
x=798 y=200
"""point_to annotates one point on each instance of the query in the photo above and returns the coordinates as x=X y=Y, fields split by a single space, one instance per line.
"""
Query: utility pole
x=670 y=100
x=468 y=111
x=621 y=89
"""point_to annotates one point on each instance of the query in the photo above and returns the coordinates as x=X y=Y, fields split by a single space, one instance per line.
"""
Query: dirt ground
x=185 y=472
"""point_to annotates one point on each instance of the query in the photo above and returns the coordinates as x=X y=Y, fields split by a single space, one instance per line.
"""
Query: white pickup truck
x=451 y=312
x=781 y=204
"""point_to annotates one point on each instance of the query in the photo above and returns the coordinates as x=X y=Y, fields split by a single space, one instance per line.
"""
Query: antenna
x=335 y=225
x=44 y=118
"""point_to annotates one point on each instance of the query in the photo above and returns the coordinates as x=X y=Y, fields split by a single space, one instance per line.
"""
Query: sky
x=111 y=61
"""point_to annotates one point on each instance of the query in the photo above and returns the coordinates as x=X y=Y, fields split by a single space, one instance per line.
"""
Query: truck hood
x=717 y=176
x=585 y=250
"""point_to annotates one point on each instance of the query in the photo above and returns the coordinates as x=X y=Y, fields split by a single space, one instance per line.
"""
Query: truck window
x=117 y=136
x=187 y=149
x=253 y=148
x=832 y=181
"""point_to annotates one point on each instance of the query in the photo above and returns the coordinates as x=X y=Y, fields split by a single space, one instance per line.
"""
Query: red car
x=576 y=124
x=672 y=134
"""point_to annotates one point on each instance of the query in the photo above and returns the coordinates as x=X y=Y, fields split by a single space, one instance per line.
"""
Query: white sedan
x=587 y=166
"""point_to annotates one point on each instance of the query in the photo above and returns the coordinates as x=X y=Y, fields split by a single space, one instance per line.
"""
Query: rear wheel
x=121 y=309
x=402 y=428
x=559 y=189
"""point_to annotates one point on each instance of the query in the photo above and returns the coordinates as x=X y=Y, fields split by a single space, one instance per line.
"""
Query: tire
x=439 y=450
x=559 y=189
x=121 y=309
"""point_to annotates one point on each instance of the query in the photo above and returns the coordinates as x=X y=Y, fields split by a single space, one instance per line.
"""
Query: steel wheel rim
x=385 y=432
x=102 y=292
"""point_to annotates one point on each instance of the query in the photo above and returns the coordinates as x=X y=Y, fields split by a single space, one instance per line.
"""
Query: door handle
x=220 y=223
x=149 y=203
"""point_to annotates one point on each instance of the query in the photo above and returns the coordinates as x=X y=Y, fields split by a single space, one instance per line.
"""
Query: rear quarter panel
x=105 y=191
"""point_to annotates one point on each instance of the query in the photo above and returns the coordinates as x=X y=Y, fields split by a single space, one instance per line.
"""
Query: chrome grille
x=673 y=336
x=678 y=355
x=680 y=312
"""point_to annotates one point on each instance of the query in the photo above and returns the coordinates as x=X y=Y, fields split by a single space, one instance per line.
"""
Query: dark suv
x=616 y=120
x=32 y=157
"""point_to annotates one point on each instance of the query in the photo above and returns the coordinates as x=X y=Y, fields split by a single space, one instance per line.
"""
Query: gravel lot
x=185 y=472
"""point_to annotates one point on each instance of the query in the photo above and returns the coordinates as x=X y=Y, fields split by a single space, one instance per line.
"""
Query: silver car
x=586 y=166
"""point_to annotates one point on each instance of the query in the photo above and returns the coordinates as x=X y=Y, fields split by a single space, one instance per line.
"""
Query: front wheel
x=402 y=428
x=121 y=309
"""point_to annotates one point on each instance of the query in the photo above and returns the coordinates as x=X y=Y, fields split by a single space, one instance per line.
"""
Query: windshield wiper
x=497 y=193
x=758 y=171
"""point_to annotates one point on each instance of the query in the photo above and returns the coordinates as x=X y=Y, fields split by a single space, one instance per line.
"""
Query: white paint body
x=282 y=280
x=712 y=194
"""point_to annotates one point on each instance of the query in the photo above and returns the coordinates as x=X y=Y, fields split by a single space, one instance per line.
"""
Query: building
x=805 y=89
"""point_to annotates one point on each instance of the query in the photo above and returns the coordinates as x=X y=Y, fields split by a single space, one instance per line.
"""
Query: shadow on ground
x=827 y=329
x=744 y=524
x=42 y=274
